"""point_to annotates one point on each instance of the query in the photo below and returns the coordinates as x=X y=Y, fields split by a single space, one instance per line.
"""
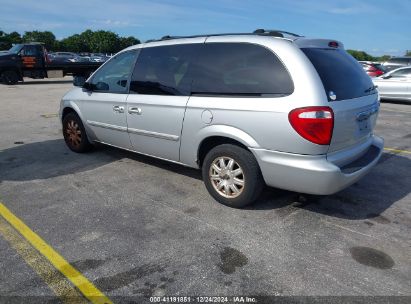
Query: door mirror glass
x=386 y=76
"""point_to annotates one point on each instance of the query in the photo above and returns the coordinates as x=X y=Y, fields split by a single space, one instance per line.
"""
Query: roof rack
x=262 y=32
x=275 y=33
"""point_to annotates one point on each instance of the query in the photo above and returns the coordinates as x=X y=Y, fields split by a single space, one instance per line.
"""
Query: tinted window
x=340 y=73
x=240 y=69
x=114 y=75
x=164 y=70
x=29 y=50
x=16 y=48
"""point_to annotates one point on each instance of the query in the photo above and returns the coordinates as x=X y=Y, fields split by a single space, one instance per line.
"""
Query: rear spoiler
x=319 y=43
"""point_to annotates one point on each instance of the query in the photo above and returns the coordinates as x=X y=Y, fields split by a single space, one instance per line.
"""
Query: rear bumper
x=315 y=174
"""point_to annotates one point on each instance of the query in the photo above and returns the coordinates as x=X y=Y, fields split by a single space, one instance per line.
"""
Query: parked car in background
x=373 y=69
x=396 y=62
x=395 y=85
x=98 y=58
x=263 y=108
x=79 y=59
x=62 y=56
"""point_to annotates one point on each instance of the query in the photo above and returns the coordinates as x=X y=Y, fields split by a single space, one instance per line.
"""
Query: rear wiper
x=370 y=89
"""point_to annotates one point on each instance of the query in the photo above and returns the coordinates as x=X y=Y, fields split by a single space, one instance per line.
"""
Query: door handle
x=135 y=110
x=118 y=109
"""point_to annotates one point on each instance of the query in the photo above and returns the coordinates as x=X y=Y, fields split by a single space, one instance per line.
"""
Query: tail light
x=315 y=124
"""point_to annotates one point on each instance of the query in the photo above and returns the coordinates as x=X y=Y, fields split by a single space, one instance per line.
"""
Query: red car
x=373 y=69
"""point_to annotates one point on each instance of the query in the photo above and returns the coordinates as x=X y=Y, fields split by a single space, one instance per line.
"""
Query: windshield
x=16 y=48
x=342 y=76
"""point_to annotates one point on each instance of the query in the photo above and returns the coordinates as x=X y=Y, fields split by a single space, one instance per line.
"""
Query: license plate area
x=364 y=125
x=366 y=120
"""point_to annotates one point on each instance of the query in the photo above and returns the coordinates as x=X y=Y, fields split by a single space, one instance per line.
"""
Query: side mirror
x=386 y=76
x=87 y=86
x=79 y=81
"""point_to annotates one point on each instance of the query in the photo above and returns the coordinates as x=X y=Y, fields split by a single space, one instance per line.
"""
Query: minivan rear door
x=351 y=95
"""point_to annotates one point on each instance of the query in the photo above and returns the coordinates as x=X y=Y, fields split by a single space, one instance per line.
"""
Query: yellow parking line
x=73 y=275
x=54 y=279
x=397 y=150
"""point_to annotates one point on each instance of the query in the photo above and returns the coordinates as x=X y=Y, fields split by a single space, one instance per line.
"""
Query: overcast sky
x=375 y=26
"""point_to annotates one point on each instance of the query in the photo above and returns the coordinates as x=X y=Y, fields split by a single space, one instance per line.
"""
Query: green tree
x=87 y=41
x=104 y=42
x=128 y=41
x=45 y=37
x=86 y=38
x=383 y=58
x=361 y=55
x=72 y=43
x=408 y=53
x=7 y=40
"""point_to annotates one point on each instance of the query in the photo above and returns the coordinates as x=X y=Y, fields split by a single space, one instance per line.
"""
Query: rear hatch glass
x=342 y=76
x=355 y=105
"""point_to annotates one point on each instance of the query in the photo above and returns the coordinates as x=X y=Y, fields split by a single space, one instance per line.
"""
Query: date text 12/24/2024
x=203 y=299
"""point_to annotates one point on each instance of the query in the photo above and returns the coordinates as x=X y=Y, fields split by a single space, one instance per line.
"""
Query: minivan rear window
x=342 y=76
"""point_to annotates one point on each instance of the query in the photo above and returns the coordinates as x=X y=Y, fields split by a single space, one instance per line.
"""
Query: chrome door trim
x=154 y=134
x=106 y=126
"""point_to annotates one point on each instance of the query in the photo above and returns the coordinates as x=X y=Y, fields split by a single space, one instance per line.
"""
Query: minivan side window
x=240 y=69
x=113 y=76
x=164 y=70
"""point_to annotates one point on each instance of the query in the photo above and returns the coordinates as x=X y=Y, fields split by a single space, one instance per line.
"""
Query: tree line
x=363 y=56
x=88 y=41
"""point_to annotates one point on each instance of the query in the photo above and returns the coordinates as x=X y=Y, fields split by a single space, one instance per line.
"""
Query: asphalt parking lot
x=137 y=227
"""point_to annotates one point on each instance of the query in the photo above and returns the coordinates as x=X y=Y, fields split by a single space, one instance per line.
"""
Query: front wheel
x=10 y=77
x=74 y=134
x=232 y=176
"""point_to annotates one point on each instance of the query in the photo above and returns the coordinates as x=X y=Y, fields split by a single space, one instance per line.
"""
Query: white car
x=395 y=84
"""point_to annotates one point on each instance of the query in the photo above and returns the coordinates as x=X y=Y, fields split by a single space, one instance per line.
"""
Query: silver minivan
x=264 y=108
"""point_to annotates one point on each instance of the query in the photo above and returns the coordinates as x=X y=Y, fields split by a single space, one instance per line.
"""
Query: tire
x=74 y=134
x=244 y=175
x=10 y=77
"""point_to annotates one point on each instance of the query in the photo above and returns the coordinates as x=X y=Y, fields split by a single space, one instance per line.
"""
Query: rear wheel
x=232 y=176
x=74 y=134
x=10 y=77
